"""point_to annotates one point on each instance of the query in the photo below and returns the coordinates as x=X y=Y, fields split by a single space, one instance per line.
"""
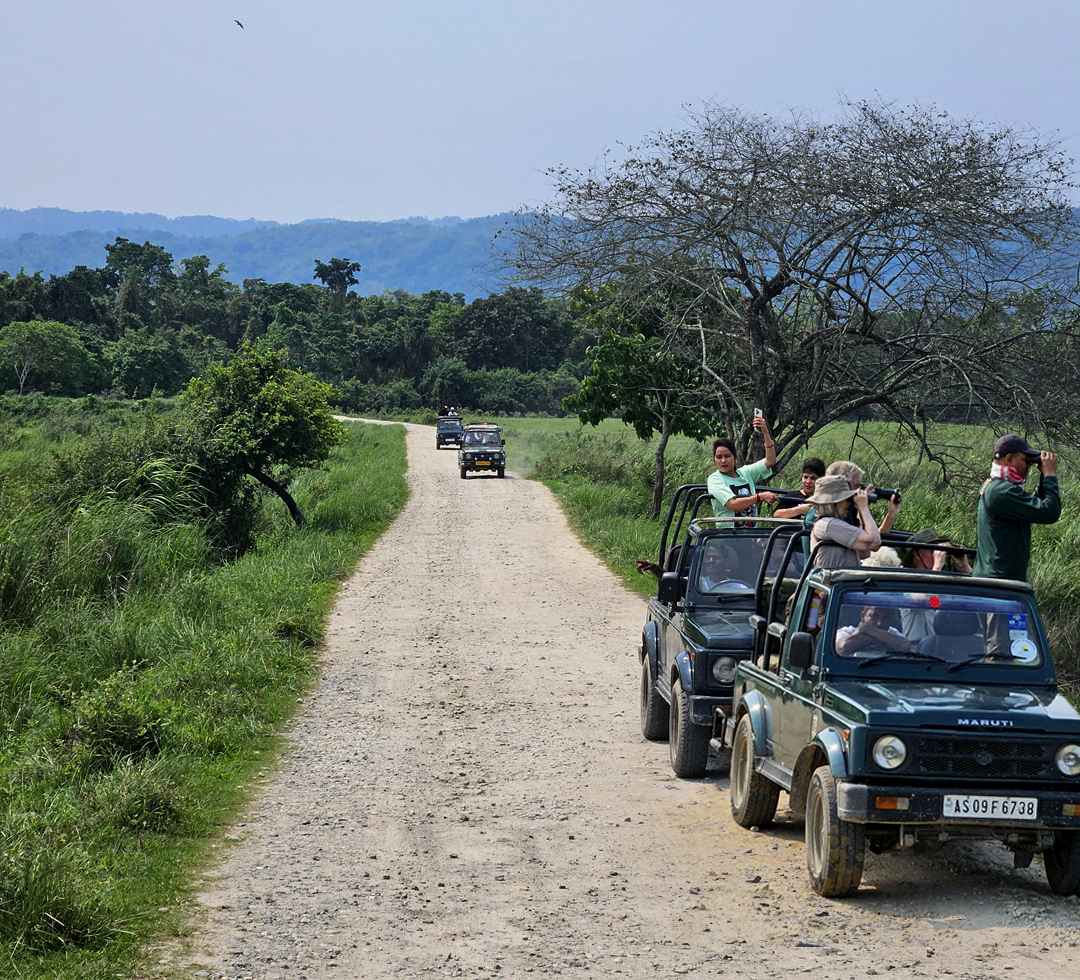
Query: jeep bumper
x=889 y=804
x=704 y=706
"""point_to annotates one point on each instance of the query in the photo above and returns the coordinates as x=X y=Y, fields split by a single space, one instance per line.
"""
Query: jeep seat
x=957 y=636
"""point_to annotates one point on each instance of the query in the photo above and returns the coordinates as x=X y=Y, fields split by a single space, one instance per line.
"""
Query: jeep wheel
x=688 y=744
x=501 y=472
x=654 y=709
x=835 y=848
x=1062 y=862
x=463 y=472
x=753 y=797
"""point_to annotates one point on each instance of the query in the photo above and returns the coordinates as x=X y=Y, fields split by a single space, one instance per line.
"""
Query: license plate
x=988 y=807
x=482 y=462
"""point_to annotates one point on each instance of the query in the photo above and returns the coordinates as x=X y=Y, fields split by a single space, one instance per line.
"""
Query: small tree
x=52 y=352
x=636 y=378
x=255 y=416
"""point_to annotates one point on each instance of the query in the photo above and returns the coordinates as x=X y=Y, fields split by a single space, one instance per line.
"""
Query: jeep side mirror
x=800 y=651
x=669 y=588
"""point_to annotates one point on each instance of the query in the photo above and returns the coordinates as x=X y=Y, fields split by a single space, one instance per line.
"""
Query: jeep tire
x=835 y=848
x=1062 y=863
x=654 y=709
x=753 y=797
x=501 y=472
x=688 y=744
x=463 y=472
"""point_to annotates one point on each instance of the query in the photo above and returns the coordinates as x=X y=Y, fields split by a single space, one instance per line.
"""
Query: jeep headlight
x=723 y=670
x=1068 y=759
x=890 y=752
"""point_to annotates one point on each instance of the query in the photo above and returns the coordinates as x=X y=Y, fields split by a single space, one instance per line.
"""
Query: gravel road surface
x=466 y=793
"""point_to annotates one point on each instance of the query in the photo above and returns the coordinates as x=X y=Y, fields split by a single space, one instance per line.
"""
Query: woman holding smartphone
x=734 y=489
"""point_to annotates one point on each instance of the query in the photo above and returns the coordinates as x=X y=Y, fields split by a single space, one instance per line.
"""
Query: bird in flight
x=241 y=26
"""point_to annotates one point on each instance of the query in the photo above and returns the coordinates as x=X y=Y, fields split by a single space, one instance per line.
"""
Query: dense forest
x=143 y=323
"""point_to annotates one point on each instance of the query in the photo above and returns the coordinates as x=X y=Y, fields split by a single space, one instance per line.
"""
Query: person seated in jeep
x=719 y=566
x=873 y=631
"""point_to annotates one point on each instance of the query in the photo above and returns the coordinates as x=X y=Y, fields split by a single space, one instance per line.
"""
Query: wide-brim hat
x=926 y=535
x=831 y=490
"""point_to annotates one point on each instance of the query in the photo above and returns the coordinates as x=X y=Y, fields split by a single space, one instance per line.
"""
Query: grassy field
x=141 y=679
x=603 y=477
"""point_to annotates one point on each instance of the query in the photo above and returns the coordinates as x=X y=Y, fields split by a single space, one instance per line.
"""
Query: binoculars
x=881 y=493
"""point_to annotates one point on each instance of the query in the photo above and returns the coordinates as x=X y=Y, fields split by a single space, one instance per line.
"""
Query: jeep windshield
x=936 y=626
x=482 y=439
x=730 y=563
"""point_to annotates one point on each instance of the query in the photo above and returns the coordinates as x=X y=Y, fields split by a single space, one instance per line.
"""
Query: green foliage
x=44 y=352
x=256 y=416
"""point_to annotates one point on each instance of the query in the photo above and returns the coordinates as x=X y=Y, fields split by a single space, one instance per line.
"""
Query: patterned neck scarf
x=999 y=472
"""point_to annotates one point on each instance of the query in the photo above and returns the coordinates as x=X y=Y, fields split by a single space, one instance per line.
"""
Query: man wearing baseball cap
x=1007 y=510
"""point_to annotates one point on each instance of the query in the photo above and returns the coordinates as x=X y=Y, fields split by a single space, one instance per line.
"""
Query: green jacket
x=1006 y=513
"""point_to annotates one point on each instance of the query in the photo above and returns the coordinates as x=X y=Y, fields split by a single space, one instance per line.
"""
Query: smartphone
x=757 y=413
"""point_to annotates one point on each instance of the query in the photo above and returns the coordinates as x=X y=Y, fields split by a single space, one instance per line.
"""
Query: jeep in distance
x=906 y=706
x=482 y=449
x=448 y=430
x=697 y=627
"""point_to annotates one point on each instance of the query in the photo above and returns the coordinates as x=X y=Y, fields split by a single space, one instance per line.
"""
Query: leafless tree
x=894 y=259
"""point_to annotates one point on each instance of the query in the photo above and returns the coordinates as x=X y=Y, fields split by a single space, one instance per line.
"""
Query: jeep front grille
x=966 y=756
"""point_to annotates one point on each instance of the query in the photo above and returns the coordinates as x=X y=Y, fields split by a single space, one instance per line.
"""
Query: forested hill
x=416 y=255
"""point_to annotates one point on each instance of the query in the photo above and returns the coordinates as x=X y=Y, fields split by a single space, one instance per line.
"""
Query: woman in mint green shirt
x=734 y=489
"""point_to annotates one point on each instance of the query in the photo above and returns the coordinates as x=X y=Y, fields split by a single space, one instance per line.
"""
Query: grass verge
x=132 y=723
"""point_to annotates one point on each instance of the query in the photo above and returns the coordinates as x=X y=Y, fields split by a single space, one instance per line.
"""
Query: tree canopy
x=257 y=416
x=898 y=258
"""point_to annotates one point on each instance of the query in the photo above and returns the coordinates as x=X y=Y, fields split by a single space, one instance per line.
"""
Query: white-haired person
x=834 y=541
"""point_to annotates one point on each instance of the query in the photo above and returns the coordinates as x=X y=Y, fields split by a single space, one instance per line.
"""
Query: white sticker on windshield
x=1024 y=650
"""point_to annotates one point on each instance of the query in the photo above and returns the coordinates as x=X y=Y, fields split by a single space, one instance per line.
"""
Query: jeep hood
x=719 y=629
x=971 y=707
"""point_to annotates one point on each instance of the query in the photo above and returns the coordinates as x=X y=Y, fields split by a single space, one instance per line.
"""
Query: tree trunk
x=658 y=469
x=272 y=484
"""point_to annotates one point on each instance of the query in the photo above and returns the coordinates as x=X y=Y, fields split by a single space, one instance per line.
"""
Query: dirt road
x=468 y=794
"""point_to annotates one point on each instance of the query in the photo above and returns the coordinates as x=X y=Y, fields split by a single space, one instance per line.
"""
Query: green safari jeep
x=895 y=706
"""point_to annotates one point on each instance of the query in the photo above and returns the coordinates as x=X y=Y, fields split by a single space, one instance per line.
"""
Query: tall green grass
x=603 y=478
x=141 y=676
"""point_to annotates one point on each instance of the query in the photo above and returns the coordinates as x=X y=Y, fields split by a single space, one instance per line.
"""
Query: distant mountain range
x=414 y=254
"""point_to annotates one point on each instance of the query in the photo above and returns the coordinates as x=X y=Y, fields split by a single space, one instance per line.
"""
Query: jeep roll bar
x=689 y=497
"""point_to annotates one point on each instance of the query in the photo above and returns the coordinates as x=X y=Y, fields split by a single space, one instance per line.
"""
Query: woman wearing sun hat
x=834 y=543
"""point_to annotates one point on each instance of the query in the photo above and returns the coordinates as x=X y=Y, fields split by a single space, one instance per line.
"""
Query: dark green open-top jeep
x=482 y=449
x=697 y=627
x=448 y=431
x=897 y=705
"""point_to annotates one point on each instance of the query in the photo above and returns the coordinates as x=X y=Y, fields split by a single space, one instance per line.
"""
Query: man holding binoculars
x=1007 y=510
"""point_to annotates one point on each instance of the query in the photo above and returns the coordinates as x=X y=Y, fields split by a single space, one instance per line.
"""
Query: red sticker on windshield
x=934 y=602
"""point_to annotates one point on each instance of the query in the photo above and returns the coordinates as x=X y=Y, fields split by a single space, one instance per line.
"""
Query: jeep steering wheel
x=735 y=581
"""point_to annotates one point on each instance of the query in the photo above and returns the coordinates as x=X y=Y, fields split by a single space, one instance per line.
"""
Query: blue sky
x=374 y=111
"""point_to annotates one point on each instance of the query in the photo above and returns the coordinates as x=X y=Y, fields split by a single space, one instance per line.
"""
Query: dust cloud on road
x=467 y=794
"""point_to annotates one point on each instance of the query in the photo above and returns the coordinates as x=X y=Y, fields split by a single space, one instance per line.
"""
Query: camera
x=881 y=493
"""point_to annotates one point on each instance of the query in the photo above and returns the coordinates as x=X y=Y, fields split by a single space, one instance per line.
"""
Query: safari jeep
x=448 y=431
x=482 y=449
x=697 y=627
x=895 y=706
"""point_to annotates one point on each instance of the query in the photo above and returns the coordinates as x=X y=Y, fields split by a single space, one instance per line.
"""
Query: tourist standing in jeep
x=733 y=489
x=1007 y=510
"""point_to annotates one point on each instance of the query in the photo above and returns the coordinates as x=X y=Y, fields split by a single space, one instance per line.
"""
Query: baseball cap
x=1007 y=445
